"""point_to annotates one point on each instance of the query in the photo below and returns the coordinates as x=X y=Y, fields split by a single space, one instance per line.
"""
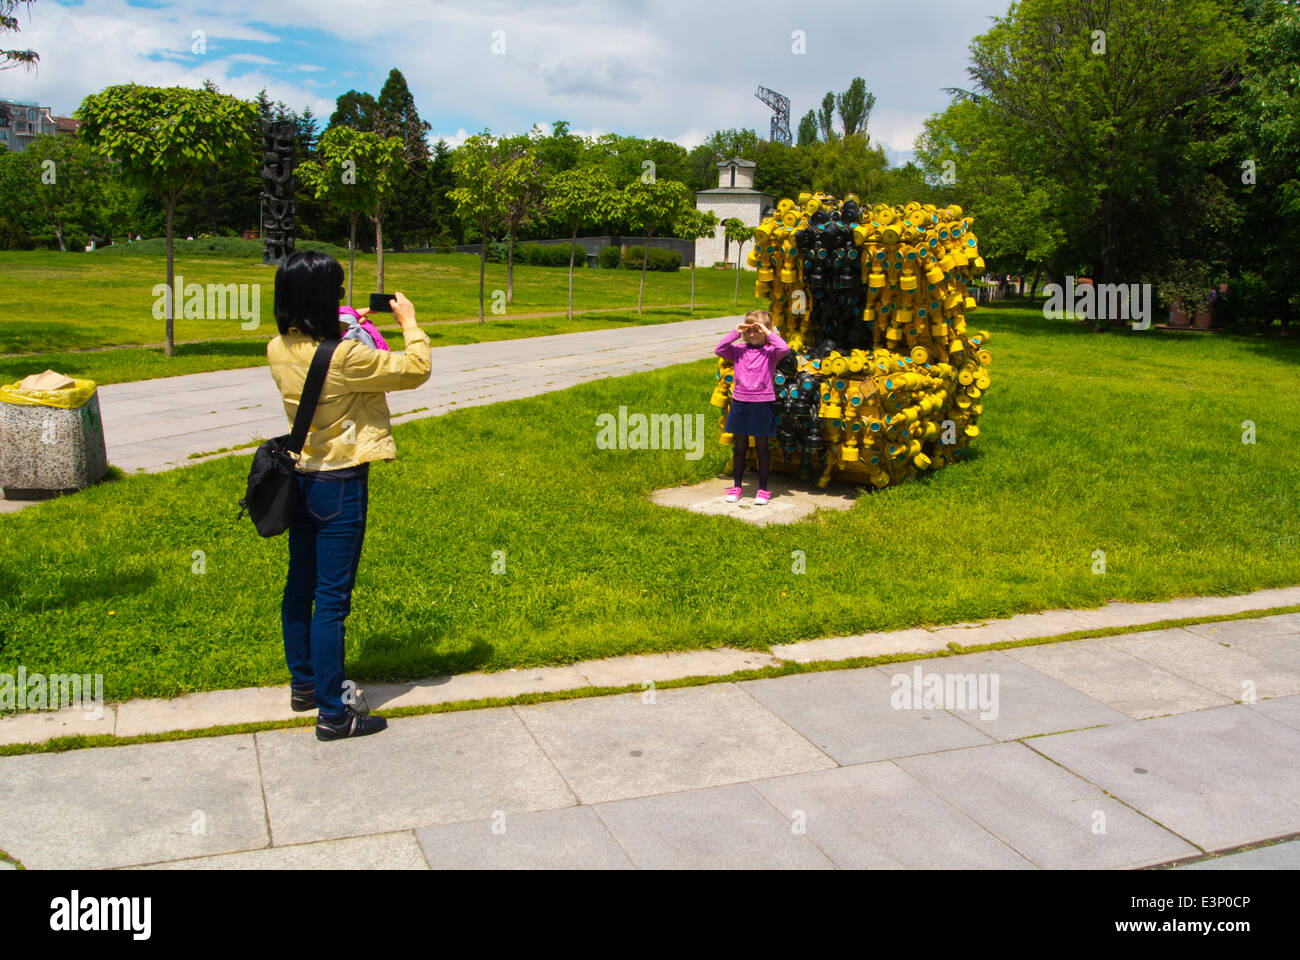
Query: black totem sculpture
x=280 y=221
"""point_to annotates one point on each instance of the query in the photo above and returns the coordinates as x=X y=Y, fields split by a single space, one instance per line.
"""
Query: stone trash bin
x=51 y=440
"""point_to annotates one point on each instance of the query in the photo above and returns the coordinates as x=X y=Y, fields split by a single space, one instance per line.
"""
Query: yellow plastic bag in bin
x=48 y=389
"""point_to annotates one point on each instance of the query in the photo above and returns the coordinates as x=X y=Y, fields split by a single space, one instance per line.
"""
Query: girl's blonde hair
x=762 y=316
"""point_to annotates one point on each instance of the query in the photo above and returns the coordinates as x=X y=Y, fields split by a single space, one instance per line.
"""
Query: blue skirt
x=752 y=418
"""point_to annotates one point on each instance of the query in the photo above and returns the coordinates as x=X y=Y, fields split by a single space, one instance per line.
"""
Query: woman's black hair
x=308 y=288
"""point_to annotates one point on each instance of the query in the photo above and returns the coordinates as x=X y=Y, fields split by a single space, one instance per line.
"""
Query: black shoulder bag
x=272 y=495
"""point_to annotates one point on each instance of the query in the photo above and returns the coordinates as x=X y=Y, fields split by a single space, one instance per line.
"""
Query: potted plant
x=1183 y=282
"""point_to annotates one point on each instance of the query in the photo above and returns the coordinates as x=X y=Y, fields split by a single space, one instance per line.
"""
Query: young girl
x=753 y=397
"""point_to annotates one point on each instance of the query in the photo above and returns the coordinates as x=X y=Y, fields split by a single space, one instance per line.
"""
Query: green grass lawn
x=1126 y=443
x=58 y=303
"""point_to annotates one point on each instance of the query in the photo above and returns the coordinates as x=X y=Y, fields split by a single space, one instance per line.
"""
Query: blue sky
x=676 y=70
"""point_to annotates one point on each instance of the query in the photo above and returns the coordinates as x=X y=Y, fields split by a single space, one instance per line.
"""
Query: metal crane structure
x=780 y=114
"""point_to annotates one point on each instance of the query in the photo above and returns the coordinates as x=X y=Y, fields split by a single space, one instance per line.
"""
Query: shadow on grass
x=392 y=660
x=72 y=591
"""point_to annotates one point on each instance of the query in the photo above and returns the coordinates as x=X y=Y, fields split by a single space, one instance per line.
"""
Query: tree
x=783 y=171
x=653 y=207
x=855 y=106
x=476 y=195
x=808 y=129
x=560 y=151
x=163 y=138
x=826 y=117
x=65 y=186
x=9 y=24
x=356 y=110
x=1268 y=131
x=520 y=182
x=442 y=180
x=1111 y=103
x=626 y=159
x=581 y=198
x=696 y=224
x=737 y=233
x=353 y=173
x=1015 y=213
x=396 y=116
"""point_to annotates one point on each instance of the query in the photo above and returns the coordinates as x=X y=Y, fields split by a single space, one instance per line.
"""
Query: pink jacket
x=753 y=365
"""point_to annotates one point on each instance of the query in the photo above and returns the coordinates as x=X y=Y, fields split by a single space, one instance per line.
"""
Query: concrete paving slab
x=1025 y=701
x=1206 y=662
x=882 y=644
x=473 y=686
x=212 y=708
x=421 y=770
x=572 y=838
x=875 y=816
x=1046 y=814
x=1279 y=856
x=117 y=806
x=1283 y=710
x=1125 y=614
x=719 y=828
x=1281 y=650
x=1022 y=627
x=613 y=748
x=1232 y=631
x=850 y=714
x=1117 y=679
x=1218 y=778
x=35 y=726
x=387 y=851
x=657 y=667
x=792 y=499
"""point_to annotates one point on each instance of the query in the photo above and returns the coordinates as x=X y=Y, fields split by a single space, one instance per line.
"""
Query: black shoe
x=301 y=700
x=351 y=724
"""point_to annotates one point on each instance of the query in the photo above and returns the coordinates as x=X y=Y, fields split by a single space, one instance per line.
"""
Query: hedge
x=668 y=261
x=550 y=255
x=609 y=258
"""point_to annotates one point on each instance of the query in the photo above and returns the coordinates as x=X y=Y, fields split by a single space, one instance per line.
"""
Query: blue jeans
x=324 y=549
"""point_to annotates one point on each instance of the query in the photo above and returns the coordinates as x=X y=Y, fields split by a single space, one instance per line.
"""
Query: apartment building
x=21 y=123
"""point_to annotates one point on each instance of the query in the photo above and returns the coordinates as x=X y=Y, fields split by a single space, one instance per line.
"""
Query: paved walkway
x=156 y=424
x=1112 y=752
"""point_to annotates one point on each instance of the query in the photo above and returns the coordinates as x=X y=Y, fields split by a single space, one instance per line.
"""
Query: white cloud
x=673 y=68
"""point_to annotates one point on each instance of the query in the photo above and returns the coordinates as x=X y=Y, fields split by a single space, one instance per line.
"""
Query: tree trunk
x=572 y=243
x=379 y=250
x=169 y=346
x=510 y=268
x=58 y=233
x=352 y=255
x=740 y=248
x=645 y=258
x=482 y=272
x=1038 y=272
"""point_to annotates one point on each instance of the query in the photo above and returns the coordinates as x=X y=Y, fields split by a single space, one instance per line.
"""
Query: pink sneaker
x=762 y=497
x=733 y=494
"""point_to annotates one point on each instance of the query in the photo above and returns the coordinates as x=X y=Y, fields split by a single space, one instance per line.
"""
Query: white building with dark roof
x=734 y=196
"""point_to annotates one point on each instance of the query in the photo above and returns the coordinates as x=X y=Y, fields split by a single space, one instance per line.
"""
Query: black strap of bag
x=320 y=365
x=272 y=495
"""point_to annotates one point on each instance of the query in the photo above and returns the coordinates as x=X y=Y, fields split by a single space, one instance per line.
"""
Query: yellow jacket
x=351 y=424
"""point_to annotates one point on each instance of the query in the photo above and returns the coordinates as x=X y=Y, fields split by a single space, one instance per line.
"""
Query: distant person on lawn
x=349 y=430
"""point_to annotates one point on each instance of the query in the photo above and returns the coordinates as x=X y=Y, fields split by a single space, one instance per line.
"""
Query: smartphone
x=379 y=303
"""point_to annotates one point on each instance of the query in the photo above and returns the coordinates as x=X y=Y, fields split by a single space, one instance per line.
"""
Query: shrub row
x=668 y=261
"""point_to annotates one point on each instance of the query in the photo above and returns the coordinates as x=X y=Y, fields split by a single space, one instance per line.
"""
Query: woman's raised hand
x=403 y=310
